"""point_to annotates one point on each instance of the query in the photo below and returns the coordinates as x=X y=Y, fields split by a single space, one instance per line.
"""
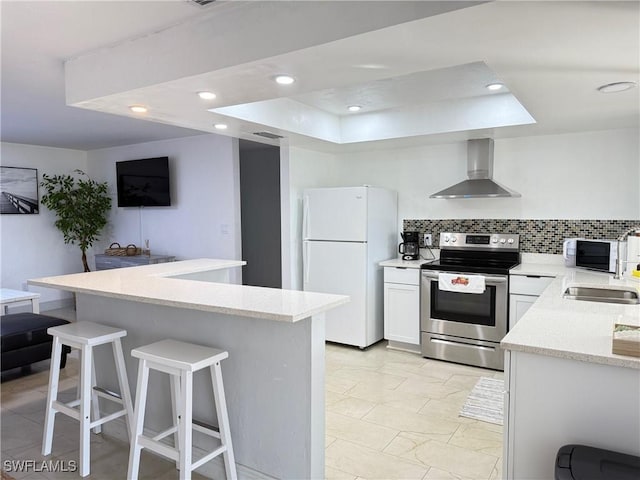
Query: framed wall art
x=18 y=190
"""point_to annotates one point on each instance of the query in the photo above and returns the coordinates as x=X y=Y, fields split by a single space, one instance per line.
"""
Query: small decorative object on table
x=626 y=339
x=116 y=250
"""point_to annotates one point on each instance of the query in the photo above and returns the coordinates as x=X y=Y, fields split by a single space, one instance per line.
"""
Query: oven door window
x=471 y=308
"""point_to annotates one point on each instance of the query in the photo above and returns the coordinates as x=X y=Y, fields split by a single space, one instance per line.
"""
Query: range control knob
x=503 y=240
x=494 y=239
x=510 y=240
x=454 y=239
x=446 y=239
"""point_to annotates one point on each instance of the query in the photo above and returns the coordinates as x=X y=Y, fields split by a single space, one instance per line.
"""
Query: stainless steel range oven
x=466 y=325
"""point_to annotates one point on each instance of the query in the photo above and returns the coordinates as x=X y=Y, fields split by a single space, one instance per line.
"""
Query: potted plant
x=82 y=206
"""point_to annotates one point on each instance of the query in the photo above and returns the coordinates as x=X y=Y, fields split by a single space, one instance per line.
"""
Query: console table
x=107 y=262
x=8 y=296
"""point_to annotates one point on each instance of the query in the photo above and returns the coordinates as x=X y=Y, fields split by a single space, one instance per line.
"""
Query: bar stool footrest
x=206 y=431
x=166 y=433
x=158 y=447
x=73 y=403
x=66 y=409
x=209 y=456
x=108 y=394
x=108 y=418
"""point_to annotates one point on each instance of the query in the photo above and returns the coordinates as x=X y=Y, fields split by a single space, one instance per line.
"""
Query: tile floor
x=389 y=415
x=394 y=415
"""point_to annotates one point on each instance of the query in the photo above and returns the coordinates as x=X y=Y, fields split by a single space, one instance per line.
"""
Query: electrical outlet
x=427 y=240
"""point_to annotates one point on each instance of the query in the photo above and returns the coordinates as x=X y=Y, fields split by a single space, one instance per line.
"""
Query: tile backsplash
x=536 y=236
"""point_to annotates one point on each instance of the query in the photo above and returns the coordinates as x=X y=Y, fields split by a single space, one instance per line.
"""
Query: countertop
x=153 y=284
x=399 y=263
x=541 y=269
x=573 y=329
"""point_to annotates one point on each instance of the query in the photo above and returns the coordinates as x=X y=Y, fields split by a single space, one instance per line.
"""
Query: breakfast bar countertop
x=274 y=374
x=184 y=284
x=575 y=329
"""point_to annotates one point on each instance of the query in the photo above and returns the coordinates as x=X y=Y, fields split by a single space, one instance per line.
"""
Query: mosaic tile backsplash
x=536 y=236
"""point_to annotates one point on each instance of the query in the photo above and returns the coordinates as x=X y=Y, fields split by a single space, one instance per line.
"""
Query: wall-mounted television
x=143 y=183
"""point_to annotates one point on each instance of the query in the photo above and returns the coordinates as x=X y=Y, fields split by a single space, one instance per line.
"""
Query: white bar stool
x=84 y=336
x=180 y=360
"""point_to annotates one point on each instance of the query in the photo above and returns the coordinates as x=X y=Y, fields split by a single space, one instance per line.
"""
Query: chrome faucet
x=619 y=261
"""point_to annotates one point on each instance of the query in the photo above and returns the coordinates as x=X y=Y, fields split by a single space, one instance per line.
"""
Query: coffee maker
x=410 y=246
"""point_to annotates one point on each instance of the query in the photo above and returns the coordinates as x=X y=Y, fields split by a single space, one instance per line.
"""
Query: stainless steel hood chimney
x=480 y=172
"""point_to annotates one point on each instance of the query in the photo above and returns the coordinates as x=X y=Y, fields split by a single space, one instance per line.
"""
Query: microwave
x=600 y=255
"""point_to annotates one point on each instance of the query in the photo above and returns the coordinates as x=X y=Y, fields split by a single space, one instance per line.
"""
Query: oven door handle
x=492 y=280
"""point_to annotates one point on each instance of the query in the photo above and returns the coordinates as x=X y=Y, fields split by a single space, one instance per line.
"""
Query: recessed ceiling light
x=495 y=86
x=220 y=126
x=284 y=79
x=616 y=87
x=354 y=108
x=207 y=95
x=138 y=108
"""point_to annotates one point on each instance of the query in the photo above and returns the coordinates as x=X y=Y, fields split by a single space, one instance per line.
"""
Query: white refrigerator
x=346 y=232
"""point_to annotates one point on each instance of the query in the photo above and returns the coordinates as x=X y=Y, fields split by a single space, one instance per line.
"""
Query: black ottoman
x=24 y=339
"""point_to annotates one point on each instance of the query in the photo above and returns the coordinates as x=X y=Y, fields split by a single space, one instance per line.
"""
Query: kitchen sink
x=607 y=295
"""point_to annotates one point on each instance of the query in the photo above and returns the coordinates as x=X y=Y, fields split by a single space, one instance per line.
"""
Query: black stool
x=24 y=339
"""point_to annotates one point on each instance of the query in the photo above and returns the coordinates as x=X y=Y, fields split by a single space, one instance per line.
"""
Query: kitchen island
x=274 y=376
x=563 y=383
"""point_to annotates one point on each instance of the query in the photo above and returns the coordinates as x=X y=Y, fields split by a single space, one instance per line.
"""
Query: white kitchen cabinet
x=402 y=307
x=524 y=290
x=518 y=306
x=551 y=402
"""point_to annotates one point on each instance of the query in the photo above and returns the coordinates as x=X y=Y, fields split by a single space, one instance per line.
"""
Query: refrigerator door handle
x=305 y=215
x=306 y=259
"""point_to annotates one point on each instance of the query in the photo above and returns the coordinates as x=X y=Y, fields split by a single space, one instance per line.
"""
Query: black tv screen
x=143 y=183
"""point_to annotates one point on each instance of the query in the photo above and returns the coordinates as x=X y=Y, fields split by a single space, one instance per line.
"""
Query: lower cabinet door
x=402 y=313
x=518 y=306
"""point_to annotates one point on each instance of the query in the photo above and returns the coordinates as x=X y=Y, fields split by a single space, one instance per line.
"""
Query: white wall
x=31 y=246
x=587 y=175
x=204 y=217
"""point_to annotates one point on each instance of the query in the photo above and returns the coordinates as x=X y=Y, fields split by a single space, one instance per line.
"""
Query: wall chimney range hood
x=480 y=183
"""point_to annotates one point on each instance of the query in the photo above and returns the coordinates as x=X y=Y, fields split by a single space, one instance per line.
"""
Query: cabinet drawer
x=410 y=276
x=528 y=285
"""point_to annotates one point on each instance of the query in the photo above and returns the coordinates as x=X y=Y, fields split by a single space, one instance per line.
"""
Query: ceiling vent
x=269 y=135
x=202 y=3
